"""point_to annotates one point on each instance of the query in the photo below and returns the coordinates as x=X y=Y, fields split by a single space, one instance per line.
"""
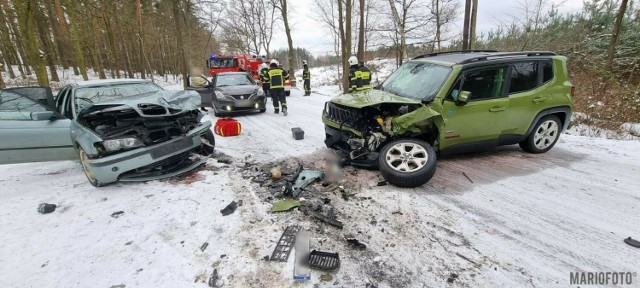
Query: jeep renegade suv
x=451 y=102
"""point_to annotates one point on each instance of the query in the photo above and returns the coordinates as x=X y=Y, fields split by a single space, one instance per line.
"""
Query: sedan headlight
x=120 y=144
x=220 y=95
x=260 y=92
x=254 y=95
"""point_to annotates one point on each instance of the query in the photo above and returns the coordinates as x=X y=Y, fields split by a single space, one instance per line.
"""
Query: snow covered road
x=525 y=220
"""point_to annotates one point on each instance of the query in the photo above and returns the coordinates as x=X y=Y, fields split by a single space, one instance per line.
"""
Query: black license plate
x=171 y=147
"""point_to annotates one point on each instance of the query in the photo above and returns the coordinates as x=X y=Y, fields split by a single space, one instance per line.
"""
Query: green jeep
x=451 y=102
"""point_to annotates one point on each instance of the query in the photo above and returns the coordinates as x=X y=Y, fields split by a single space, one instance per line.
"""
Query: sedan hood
x=371 y=98
x=239 y=90
x=162 y=103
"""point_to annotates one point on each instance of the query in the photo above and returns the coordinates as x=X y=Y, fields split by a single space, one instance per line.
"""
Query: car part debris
x=382 y=183
x=229 y=209
x=326 y=261
x=298 y=133
x=285 y=244
x=276 y=174
x=325 y=219
x=285 y=205
x=356 y=243
x=632 y=242
x=305 y=178
x=465 y=175
x=204 y=246
x=46 y=208
x=214 y=280
x=117 y=214
x=265 y=258
x=301 y=269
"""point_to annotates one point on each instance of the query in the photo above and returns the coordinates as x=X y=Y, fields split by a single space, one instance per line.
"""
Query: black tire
x=263 y=110
x=541 y=144
x=407 y=179
x=207 y=150
x=87 y=171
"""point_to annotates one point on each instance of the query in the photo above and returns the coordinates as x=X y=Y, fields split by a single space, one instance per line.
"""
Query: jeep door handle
x=538 y=99
x=497 y=109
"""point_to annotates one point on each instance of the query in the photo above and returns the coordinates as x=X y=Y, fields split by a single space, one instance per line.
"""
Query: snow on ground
x=525 y=221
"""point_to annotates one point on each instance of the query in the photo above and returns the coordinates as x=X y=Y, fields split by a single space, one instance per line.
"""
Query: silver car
x=120 y=130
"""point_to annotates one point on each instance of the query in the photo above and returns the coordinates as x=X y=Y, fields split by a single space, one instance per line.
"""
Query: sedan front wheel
x=84 y=158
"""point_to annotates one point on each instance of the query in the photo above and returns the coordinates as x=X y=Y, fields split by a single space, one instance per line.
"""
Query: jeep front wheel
x=544 y=135
x=407 y=162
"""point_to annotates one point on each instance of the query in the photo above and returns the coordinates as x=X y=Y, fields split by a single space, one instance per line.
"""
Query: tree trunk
x=22 y=61
x=614 y=36
x=57 y=34
x=400 y=28
x=292 y=63
x=2 y=85
x=180 y=44
x=465 y=25
x=75 y=39
x=474 y=16
x=47 y=45
x=140 y=40
x=438 y=24
x=361 y=32
x=343 y=48
x=27 y=13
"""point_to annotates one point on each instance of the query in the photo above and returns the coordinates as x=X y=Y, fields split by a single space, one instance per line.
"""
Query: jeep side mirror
x=463 y=98
x=41 y=115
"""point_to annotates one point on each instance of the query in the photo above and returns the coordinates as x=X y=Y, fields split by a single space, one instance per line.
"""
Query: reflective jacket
x=355 y=79
x=306 y=74
x=366 y=77
x=277 y=76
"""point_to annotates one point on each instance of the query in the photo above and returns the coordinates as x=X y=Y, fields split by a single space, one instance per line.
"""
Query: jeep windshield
x=417 y=80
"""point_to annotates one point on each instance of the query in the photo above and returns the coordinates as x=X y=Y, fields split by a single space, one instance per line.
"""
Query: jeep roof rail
x=453 y=51
x=507 y=55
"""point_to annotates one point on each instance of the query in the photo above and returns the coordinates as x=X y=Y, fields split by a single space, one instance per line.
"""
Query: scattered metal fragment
x=229 y=209
x=204 y=246
x=465 y=175
x=117 y=214
x=325 y=219
x=285 y=205
x=632 y=242
x=326 y=261
x=305 y=178
x=382 y=183
x=46 y=208
x=356 y=243
x=285 y=244
x=301 y=269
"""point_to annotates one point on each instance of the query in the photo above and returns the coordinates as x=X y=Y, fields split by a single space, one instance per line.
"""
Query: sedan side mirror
x=41 y=115
x=463 y=98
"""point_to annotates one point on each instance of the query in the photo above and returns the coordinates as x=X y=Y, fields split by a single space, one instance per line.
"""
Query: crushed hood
x=371 y=98
x=176 y=102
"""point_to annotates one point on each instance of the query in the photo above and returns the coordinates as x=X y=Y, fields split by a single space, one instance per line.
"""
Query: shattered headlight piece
x=123 y=143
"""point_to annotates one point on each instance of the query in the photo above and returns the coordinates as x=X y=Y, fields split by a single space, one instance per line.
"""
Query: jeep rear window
x=417 y=80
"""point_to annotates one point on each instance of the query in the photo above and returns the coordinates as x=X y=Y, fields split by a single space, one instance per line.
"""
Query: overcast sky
x=307 y=32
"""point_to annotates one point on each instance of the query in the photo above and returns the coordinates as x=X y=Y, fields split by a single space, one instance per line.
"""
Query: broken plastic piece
x=285 y=205
x=46 y=208
x=305 y=178
x=324 y=260
x=356 y=243
x=229 y=209
x=204 y=246
x=298 y=133
x=285 y=244
x=301 y=269
x=325 y=219
x=117 y=214
x=632 y=242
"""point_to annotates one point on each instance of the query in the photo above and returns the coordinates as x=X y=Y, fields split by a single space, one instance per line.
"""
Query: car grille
x=341 y=114
x=241 y=96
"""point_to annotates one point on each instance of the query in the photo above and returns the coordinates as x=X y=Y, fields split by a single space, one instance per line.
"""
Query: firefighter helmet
x=304 y=62
x=353 y=60
x=274 y=61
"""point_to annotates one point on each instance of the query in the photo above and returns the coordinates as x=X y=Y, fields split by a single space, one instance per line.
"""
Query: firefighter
x=264 y=78
x=366 y=76
x=355 y=77
x=277 y=76
x=306 y=76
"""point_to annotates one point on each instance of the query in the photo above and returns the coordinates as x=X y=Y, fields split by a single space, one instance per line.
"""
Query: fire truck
x=235 y=63
x=238 y=63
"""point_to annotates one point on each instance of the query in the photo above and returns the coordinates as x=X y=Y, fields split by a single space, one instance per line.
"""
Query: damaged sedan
x=120 y=130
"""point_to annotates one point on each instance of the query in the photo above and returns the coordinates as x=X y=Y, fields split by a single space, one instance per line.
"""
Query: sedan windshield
x=234 y=80
x=417 y=80
x=92 y=95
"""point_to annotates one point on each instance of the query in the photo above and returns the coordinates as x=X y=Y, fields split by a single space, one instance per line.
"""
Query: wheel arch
x=562 y=112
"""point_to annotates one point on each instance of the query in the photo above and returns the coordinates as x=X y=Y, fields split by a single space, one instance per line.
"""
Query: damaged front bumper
x=162 y=160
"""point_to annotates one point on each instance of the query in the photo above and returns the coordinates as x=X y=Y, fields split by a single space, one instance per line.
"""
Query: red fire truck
x=235 y=63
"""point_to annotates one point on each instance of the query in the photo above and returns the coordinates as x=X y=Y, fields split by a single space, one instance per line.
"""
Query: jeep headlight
x=122 y=143
x=326 y=108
